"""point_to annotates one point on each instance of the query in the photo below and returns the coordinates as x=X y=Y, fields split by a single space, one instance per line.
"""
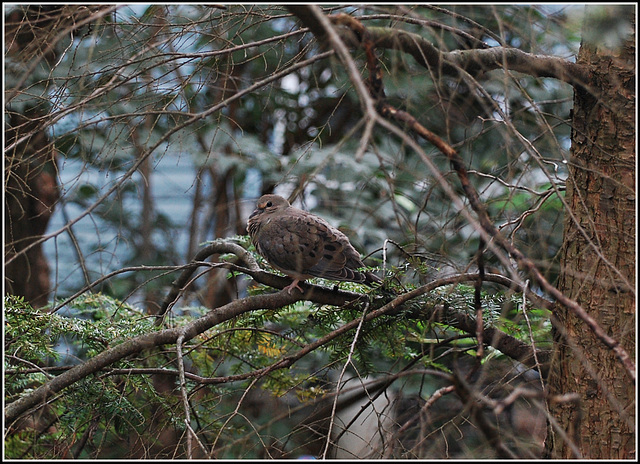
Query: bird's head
x=269 y=205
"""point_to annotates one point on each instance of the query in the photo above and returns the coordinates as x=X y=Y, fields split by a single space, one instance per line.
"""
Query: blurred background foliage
x=121 y=99
x=122 y=84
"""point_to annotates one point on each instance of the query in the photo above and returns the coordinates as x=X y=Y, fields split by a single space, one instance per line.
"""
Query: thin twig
x=183 y=392
x=191 y=120
x=339 y=382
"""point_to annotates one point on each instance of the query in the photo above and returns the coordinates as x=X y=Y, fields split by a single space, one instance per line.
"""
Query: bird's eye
x=269 y=204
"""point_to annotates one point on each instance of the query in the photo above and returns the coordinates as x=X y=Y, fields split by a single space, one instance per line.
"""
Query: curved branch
x=486 y=228
x=428 y=23
x=475 y=61
x=478 y=61
x=505 y=343
x=513 y=59
x=137 y=344
x=315 y=293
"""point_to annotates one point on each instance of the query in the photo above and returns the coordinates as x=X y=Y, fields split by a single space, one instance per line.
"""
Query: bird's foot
x=293 y=285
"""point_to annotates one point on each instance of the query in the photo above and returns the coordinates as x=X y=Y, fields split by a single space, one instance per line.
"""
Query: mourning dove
x=303 y=245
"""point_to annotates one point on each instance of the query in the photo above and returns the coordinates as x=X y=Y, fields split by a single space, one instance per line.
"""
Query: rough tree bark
x=598 y=262
x=599 y=253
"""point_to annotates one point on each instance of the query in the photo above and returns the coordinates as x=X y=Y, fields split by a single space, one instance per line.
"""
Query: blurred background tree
x=137 y=133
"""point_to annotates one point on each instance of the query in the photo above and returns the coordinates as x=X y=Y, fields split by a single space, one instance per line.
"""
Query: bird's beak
x=256 y=211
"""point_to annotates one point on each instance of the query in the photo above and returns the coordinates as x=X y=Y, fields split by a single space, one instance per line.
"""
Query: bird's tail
x=371 y=278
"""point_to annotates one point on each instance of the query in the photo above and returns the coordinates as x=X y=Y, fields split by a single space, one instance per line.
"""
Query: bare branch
x=487 y=228
x=501 y=341
x=475 y=61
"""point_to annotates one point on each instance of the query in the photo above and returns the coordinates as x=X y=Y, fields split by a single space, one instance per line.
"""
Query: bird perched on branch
x=303 y=245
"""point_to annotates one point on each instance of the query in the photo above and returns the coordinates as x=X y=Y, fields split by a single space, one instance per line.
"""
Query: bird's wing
x=333 y=256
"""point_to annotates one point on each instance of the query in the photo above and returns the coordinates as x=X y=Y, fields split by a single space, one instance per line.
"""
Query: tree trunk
x=598 y=263
x=31 y=187
x=30 y=184
x=31 y=191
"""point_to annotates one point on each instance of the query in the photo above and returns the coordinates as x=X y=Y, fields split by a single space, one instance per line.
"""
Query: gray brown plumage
x=303 y=245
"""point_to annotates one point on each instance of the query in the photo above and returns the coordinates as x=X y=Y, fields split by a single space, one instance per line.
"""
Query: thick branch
x=137 y=344
x=305 y=14
x=513 y=59
x=474 y=62
x=478 y=61
x=509 y=345
x=315 y=293
x=487 y=228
